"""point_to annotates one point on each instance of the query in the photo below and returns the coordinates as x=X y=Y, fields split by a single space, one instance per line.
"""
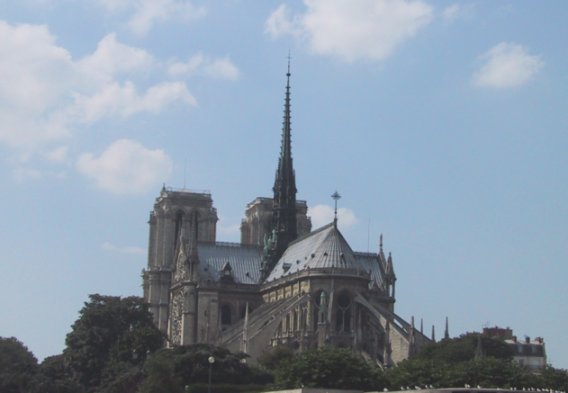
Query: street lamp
x=211 y=360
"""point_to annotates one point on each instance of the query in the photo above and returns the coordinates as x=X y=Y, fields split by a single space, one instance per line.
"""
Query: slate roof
x=371 y=263
x=244 y=261
x=324 y=248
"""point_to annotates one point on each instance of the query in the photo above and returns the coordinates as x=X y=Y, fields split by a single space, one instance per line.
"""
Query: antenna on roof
x=368 y=234
x=184 y=172
x=335 y=197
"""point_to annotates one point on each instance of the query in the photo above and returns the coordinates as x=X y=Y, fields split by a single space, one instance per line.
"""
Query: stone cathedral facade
x=283 y=284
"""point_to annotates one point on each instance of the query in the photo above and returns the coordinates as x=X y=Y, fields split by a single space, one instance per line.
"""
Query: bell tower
x=169 y=220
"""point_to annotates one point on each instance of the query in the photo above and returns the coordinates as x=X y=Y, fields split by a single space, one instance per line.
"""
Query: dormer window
x=227 y=273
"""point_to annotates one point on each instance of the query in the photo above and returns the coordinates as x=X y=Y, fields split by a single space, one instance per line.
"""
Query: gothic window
x=343 y=313
x=303 y=317
x=294 y=320
x=225 y=314
x=178 y=223
x=320 y=307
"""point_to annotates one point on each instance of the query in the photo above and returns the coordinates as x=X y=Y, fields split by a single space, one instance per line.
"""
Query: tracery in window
x=343 y=313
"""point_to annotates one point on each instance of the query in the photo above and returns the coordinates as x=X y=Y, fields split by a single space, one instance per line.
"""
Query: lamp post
x=211 y=360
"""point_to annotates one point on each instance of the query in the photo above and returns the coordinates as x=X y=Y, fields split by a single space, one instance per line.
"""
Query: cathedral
x=283 y=284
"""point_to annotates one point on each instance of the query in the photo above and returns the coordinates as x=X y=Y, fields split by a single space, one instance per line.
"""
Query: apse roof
x=322 y=248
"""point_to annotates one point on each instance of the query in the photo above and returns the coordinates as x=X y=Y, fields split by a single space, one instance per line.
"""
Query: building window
x=343 y=313
x=177 y=232
x=320 y=307
x=225 y=314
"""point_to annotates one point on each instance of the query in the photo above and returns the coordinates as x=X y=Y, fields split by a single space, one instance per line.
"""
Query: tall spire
x=284 y=205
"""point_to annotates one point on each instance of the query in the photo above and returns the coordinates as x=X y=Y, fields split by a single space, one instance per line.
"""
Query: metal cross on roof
x=335 y=197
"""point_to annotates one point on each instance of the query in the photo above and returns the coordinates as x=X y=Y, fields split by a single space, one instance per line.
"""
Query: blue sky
x=443 y=124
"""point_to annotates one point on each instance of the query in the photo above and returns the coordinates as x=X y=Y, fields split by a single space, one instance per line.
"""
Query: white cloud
x=147 y=13
x=188 y=68
x=352 y=31
x=323 y=214
x=126 y=167
x=457 y=11
x=112 y=57
x=124 y=101
x=45 y=95
x=36 y=73
x=107 y=246
x=281 y=22
x=30 y=66
x=507 y=65
x=222 y=68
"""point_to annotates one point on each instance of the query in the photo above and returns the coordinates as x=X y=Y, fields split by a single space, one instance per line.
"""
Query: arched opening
x=320 y=303
x=343 y=313
x=225 y=315
x=178 y=226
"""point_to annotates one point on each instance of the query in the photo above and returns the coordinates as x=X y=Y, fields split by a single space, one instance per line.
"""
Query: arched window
x=343 y=313
x=225 y=314
x=320 y=303
x=304 y=323
x=294 y=320
x=178 y=225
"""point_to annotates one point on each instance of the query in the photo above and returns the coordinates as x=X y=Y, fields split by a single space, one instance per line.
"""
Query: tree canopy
x=18 y=366
x=114 y=347
x=474 y=360
x=328 y=368
x=110 y=331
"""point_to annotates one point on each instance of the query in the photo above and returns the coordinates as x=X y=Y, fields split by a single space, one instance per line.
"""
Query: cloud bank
x=47 y=97
x=352 y=31
x=126 y=167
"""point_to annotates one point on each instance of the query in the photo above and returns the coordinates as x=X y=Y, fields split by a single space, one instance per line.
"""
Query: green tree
x=18 y=366
x=160 y=374
x=276 y=357
x=53 y=377
x=416 y=372
x=169 y=369
x=452 y=363
x=110 y=331
x=463 y=348
x=332 y=368
x=553 y=378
